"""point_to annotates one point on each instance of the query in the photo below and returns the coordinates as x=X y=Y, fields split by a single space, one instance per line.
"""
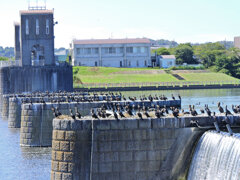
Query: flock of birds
x=65 y=97
x=119 y=111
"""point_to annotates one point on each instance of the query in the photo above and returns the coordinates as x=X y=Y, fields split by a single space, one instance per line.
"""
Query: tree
x=184 y=54
x=161 y=51
x=3 y=58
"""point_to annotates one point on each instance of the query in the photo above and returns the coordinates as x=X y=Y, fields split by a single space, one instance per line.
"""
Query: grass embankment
x=141 y=75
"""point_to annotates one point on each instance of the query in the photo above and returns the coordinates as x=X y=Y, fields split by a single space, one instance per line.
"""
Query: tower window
x=37 y=26
x=47 y=26
x=27 y=27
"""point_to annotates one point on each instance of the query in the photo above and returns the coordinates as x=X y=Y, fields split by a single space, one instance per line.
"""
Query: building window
x=138 y=50
x=78 y=51
x=142 y=50
x=37 y=27
x=129 y=49
x=112 y=50
x=95 y=50
x=87 y=51
x=105 y=50
x=121 y=50
x=120 y=63
x=27 y=27
x=47 y=26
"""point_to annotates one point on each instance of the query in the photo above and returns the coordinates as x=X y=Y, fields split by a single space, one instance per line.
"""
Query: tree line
x=212 y=56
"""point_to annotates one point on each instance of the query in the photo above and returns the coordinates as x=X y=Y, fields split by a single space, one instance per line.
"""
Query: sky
x=195 y=21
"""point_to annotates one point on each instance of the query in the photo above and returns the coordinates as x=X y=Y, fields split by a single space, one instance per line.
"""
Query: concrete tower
x=37 y=37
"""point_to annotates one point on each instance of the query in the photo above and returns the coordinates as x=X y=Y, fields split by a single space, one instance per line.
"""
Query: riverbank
x=154 y=88
x=98 y=77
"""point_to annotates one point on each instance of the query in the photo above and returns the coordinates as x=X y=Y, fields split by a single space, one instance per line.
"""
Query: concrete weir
x=125 y=149
x=36 y=118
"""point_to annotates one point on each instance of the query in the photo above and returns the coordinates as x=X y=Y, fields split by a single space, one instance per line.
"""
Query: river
x=35 y=163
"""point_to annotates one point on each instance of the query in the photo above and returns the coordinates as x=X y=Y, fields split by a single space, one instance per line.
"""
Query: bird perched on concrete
x=227 y=111
x=139 y=114
x=115 y=115
x=72 y=115
x=94 y=115
x=207 y=110
x=121 y=113
x=54 y=112
x=175 y=112
x=78 y=114
x=220 y=108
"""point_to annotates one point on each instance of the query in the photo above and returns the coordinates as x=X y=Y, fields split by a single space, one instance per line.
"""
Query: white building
x=111 y=52
x=166 y=61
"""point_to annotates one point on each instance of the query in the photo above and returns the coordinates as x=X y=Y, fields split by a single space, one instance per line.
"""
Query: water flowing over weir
x=217 y=156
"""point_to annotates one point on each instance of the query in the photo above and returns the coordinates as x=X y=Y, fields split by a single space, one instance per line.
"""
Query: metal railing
x=10 y=63
x=156 y=84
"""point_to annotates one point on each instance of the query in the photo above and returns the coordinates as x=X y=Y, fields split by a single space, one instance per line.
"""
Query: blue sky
x=179 y=20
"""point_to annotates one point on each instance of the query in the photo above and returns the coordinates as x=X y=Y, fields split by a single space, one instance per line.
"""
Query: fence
x=10 y=63
x=155 y=84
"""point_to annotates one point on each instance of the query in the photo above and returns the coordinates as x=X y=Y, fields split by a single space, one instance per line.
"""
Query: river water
x=35 y=163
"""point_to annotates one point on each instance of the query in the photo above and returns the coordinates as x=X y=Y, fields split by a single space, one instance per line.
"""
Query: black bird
x=234 y=109
x=58 y=112
x=71 y=114
x=157 y=114
x=179 y=97
x=78 y=114
x=139 y=115
x=173 y=97
x=94 y=115
x=54 y=112
x=146 y=114
x=207 y=110
x=175 y=112
x=115 y=115
x=227 y=111
x=220 y=108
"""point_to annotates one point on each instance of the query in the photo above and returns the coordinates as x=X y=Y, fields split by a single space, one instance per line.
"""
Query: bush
x=187 y=68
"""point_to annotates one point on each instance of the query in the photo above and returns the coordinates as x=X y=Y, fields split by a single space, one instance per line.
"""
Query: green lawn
x=124 y=75
x=207 y=77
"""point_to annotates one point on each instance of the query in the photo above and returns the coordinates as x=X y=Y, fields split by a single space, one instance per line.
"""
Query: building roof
x=167 y=57
x=36 y=12
x=112 y=41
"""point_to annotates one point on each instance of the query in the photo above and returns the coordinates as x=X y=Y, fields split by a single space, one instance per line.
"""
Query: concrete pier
x=5 y=107
x=125 y=149
x=14 y=117
x=36 y=118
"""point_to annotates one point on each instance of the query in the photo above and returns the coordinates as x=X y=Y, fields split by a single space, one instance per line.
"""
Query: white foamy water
x=217 y=157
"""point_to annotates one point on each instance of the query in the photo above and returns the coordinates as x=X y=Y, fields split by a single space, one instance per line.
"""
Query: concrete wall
x=29 y=79
x=126 y=149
